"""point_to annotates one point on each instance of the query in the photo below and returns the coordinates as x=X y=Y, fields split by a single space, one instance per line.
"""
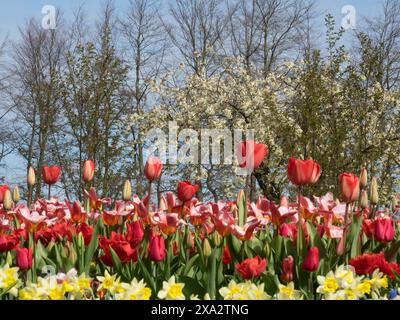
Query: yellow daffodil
x=233 y=291
x=109 y=283
x=327 y=284
x=288 y=292
x=171 y=290
x=257 y=292
x=9 y=279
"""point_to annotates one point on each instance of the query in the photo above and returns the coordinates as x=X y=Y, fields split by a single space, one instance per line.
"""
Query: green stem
x=299 y=225
x=246 y=194
x=149 y=194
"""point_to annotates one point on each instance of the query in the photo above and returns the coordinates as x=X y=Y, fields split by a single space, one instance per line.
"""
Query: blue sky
x=13 y=14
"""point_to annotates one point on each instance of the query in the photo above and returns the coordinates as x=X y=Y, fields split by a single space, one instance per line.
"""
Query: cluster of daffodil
x=112 y=288
x=340 y=284
x=73 y=287
x=250 y=291
x=56 y=287
x=9 y=280
x=243 y=291
x=344 y=284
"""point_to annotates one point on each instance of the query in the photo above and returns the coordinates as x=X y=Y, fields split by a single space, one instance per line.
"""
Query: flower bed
x=185 y=249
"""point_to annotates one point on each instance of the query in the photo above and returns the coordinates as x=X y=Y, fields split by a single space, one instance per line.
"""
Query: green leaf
x=355 y=234
x=242 y=208
x=190 y=264
x=192 y=286
x=211 y=286
x=391 y=252
x=91 y=248
x=200 y=250
x=116 y=261
x=146 y=275
x=6 y=290
x=271 y=283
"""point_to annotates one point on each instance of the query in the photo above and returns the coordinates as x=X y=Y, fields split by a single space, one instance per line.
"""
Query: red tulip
x=110 y=218
x=156 y=248
x=311 y=260
x=152 y=169
x=250 y=154
x=287 y=230
x=368 y=226
x=170 y=200
x=86 y=231
x=3 y=189
x=95 y=202
x=134 y=233
x=349 y=187
x=226 y=256
x=186 y=190
x=45 y=236
x=24 y=258
x=222 y=219
x=121 y=247
x=167 y=222
x=76 y=212
x=50 y=174
x=251 y=268
x=369 y=262
x=88 y=170
x=302 y=172
x=7 y=243
x=287 y=269
x=60 y=230
x=384 y=230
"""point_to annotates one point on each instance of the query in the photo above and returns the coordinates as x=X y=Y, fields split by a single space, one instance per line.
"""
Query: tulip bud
x=206 y=248
x=363 y=178
x=127 y=191
x=7 y=200
x=163 y=204
x=287 y=269
x=364 y=199
x=189 y=240
x=384 y=230
x=156 y=248
x=226 y=256
x=311 y=260
x=72 y=255
x=240 y=196
x=374 y=191
x=9 y=258
x=31 y=177
x=16 y=195
x=267 y=250
x=24 y=258
x=50 y=245
x=217 y=239
x=340 y=246
x=152 y=169
x=88 y=170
